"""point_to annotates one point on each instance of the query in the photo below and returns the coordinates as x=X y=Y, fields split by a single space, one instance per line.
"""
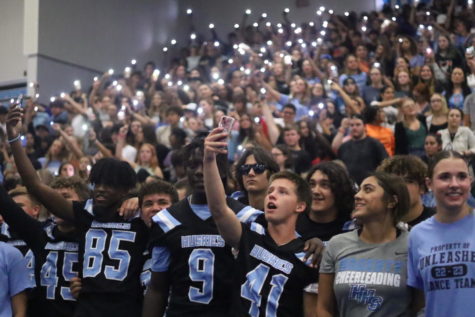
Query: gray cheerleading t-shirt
x=370 y=279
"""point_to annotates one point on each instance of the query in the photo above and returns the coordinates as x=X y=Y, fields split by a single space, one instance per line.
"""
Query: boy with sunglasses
x=271 y=274
x=253 y=171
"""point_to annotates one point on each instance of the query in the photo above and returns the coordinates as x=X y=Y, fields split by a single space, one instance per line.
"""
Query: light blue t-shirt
x=441 y=262
x=13 y=277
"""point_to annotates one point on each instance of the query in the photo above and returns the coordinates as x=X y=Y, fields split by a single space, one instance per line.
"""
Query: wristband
x=15 y=139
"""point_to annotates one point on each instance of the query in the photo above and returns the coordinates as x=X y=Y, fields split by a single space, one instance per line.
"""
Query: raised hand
x=14 y=116
x=215 y=143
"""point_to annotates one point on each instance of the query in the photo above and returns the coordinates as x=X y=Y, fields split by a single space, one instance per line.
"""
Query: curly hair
x=340 y=183
x=406 y=166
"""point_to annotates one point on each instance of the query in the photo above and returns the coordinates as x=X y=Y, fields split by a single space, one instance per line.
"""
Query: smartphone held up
x=227 y=124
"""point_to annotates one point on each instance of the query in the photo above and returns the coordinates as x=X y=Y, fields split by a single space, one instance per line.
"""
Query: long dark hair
x=340 y=184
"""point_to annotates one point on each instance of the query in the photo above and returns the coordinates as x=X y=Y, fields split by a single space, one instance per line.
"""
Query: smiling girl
x=441 y=249
x=363 y=272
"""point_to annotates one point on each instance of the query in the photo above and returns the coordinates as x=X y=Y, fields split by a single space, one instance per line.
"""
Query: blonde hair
x=445 y=109
x=154 y=160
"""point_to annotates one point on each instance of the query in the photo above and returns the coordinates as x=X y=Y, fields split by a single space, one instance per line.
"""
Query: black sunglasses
x=257 y=168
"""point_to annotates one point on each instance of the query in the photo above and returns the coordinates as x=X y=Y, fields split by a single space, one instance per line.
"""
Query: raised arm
x=228 y=224
x=53 y=201
x=69 y=141
x=271 y=126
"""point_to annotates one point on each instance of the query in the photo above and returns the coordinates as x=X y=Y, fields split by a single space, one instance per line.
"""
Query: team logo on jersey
x=363 y=295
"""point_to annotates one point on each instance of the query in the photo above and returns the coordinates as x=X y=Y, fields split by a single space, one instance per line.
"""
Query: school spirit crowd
x=314 y=169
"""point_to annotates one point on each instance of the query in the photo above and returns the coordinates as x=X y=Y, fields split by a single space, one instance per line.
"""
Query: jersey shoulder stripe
x=301 y=257
x=165 y=220
x=88 y=207
x=248 y=214
x=258 y=228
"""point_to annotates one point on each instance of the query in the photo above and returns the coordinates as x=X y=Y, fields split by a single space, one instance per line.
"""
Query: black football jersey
x=201 y=267
x=54 y=259
x=308 y=229
x=111 y=258
x=271 y=278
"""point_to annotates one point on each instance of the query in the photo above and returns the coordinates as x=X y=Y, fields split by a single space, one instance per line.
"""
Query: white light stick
x=193 y=36
x=211 y=26
x=127 y=72
x=155 y=74
x=236 y=26
x=286 y=10
x=248 y=11
x=173 y=42
x=189 y=11
x=111 y=71
x=264 y=15
x=347 y=13
x=133 y=61
x=77 y=84
x=165 y=49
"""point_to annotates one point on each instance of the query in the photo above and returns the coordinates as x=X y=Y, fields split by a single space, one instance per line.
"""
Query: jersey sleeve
x=18 y=276
x=312 y=274
x=160 y=259
x=83 y=213
x=28 y=229
x=414 y=278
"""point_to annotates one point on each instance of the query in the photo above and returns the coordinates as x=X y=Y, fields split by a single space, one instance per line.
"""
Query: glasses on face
x=436 y=100
x=290 y=113
x=257 y=168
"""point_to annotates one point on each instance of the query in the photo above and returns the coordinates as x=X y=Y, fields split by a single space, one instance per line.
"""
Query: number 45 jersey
x=200 y=266
x=272 y=278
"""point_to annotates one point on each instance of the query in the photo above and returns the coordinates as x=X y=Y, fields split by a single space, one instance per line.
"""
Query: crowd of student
x=349 y=131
